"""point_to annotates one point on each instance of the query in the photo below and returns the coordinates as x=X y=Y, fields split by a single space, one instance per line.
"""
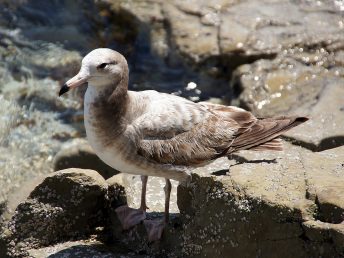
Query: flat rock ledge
x=286 y=204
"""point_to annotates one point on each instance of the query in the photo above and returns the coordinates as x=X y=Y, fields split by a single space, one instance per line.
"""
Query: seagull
x=149 y=133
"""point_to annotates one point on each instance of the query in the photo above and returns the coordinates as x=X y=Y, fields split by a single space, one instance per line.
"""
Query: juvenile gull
x=149 y=133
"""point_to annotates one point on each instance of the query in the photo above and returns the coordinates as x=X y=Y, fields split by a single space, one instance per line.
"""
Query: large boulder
x=66 y=205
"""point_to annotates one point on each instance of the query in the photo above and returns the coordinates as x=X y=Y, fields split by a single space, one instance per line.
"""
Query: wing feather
x=176 y=131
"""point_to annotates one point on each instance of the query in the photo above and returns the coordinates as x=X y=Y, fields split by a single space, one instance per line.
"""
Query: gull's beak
x=76 y=81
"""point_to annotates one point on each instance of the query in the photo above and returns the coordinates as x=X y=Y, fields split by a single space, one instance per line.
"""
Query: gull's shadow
x=241 y=160
x=221 y=172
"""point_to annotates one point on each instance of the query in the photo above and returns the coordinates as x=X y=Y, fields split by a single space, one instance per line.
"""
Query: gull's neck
x=105 y=109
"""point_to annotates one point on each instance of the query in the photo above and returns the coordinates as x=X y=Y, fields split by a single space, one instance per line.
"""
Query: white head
x=100 y=68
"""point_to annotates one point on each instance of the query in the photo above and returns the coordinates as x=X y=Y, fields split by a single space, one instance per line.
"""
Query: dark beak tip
x=63 y=90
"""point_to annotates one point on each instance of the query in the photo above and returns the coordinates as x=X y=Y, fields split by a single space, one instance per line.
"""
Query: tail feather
x=273 y=145
x=262 y=135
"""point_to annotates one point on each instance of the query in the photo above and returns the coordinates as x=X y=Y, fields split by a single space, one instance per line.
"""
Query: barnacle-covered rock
x=67 y=204
x=287 y=204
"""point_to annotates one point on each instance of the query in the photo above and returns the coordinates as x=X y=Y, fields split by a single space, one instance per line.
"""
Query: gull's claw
x=130 y=217
x=154 y=228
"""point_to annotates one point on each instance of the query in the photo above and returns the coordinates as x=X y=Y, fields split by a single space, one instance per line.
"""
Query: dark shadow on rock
x=325 y=144
x=329 y=212
x=227 y=63
x=241 y=160
x=221 y=172
x=94 y=250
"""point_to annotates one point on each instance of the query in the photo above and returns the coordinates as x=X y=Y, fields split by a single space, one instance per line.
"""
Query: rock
x=27 y=147
x=278 y=87
x=268 y=198
x=79 y=154
x=286 y=86
x=67 y=204
x=84 y=248
x=191 y=37
x=219 y=35
x=326 y=119
x=268 y=204
x=117 y=193
x=288 y=204
x=155 y=193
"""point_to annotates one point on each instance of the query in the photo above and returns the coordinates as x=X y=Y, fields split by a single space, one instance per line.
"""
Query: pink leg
x=130 y=217
x=156 y=227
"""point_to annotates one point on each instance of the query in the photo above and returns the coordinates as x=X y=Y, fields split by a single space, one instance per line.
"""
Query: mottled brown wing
x=218 y=131
x=205 y=141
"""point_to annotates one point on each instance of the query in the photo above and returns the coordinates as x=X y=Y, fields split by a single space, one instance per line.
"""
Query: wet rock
x=79 y=154
x=287 y=86
x=26 y=149
x=66 y=205
x=281 y=86
x=153 y=52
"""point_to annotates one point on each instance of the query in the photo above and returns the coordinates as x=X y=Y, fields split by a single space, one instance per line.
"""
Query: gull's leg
x=167 y=189
x=156 y=227
x=130 y=217
x=143 y=205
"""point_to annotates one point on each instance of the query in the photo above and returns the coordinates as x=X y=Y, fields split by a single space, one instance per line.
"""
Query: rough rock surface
x=289 y=86
x=327 y=119
x=83 y=248
x=79 y=154
x=66 y=205
x=155 y=192
x=233 y=32
x=286 y=204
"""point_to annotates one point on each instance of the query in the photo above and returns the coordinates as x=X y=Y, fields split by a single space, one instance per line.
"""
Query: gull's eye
x=102 y=66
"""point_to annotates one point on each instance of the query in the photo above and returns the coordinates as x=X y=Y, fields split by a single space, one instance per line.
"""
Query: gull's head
x=100 y=67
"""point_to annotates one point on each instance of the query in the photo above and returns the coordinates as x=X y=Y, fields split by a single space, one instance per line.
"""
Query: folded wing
x=181 y=132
